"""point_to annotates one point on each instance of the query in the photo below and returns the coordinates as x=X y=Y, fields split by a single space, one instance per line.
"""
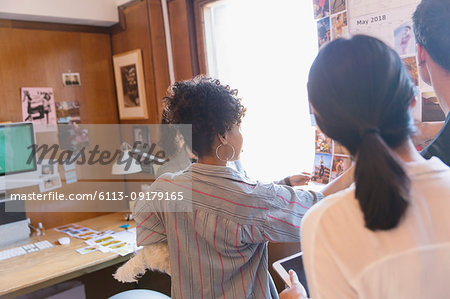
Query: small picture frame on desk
x=130 y=85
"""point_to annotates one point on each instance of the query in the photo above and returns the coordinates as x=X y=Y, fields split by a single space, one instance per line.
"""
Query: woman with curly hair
x=217 y=235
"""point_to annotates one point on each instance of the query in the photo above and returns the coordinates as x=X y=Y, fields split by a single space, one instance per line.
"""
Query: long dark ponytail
x=361 y=93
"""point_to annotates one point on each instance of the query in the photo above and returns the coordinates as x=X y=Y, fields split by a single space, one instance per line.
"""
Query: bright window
x=264 y=49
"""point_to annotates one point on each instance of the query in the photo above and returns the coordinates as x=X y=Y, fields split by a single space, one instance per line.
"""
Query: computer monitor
x=17 y=169
x=17 y=158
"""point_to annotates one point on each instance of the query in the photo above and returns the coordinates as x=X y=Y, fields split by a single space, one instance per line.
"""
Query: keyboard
x=21 y=250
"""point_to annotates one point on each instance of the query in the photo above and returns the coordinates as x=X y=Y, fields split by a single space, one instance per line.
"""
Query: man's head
x=432 y=30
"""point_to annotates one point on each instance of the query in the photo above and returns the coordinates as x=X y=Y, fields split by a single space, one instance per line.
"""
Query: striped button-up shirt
x=219 y=248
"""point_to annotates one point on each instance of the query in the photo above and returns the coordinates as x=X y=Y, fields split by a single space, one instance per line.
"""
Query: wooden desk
x=36 y=270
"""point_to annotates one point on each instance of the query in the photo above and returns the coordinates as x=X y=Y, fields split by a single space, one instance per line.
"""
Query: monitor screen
x=16 y=142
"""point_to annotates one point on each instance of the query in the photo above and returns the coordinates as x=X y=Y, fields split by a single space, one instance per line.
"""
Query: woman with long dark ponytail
x=389 y=235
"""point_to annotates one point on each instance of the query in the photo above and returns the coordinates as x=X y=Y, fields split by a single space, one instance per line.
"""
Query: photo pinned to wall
x=339 y=149
x=323 y=31
x=340 y=165
x=337 y=6
x=391 y=25
x=322 y=168
x=70 y=173
x=405 y=42
x=431 y=110
x=68 y=166
x=45 y=168
x=362 y=7
x=71 y=177
x=130 y=85
x=68 y=112
x=73 y=137
x=323 y=144
x=49 y=183
x=71 y=79
x=141 y=136
x=411 y=65
x=38 y=106
x=142 y=142
x=339 y=27
x=321 y=8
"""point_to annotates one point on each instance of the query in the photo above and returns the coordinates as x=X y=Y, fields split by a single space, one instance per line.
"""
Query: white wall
x=87 y=12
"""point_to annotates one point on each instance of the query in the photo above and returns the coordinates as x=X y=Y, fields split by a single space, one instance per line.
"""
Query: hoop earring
x=225 y=160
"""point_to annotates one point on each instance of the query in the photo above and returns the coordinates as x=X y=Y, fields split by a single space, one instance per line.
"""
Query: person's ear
x=222 y=138
x=421 y=55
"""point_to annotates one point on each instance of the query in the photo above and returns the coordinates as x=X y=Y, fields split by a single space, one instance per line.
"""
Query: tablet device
x=294 y=262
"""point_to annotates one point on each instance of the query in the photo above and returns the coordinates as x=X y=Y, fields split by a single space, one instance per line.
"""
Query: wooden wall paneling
x=196 y=58
x=145 y=31
x=100 y=106
x=50 y=220
x=160 y=59
x=137 y=36
x=37 y=58
x=181 y=48
x=199 y=35
x=53 y=26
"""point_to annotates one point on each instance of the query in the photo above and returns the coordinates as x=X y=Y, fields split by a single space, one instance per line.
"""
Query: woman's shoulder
x=172 y=180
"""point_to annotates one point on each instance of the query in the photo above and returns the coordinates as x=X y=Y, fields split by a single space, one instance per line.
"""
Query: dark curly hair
x=210 y=107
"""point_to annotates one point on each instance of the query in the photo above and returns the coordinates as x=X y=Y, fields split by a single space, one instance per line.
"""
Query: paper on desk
x=87 y=249
x=126 y=249
x=67 y=226
x=99 y=240
x=121 y=243
x=103 y=249
x=83 y=233
x=128 y=236
x=87 y=235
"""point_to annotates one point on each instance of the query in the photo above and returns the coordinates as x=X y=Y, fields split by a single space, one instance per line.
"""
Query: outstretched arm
x=295 y=180
x=342 y=182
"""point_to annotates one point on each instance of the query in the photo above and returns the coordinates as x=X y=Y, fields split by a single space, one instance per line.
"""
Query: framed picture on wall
x=130 y=85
